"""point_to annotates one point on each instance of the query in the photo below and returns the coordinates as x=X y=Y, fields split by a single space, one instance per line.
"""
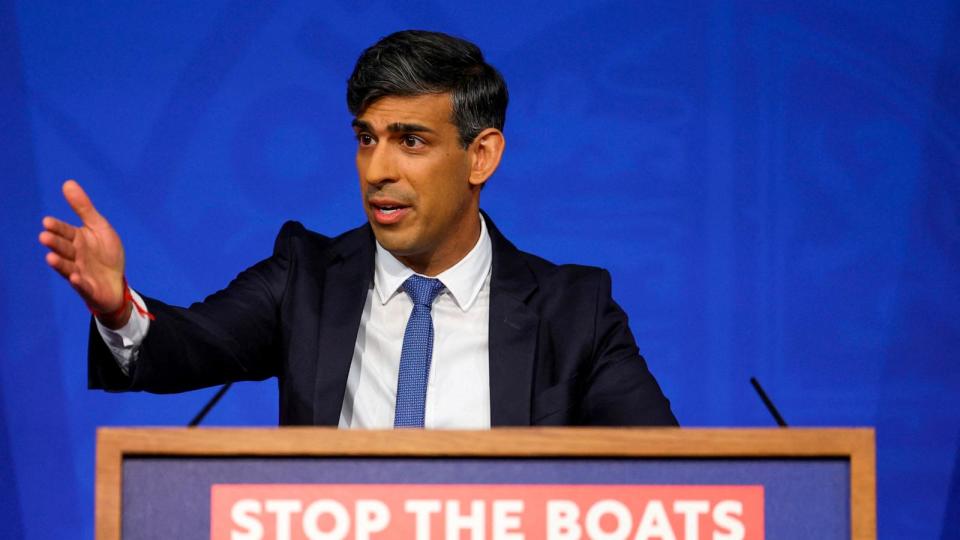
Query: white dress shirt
x=458 y=388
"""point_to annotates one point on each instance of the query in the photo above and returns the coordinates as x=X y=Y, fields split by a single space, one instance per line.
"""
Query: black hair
x=417 y=62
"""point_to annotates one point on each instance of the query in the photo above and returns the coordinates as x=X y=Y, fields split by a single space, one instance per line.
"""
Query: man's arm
x=620 y=389
x=232 y=335
x=229 y=336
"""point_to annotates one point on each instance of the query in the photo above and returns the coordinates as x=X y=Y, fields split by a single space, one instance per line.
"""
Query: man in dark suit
x=425 y=316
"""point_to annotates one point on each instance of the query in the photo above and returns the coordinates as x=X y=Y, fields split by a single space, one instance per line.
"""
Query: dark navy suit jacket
x=561 y=352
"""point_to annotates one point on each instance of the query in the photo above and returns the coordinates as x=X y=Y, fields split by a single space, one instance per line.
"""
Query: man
x=425 y=316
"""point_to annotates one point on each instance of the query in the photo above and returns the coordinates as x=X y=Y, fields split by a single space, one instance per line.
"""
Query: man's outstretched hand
x=90 y=257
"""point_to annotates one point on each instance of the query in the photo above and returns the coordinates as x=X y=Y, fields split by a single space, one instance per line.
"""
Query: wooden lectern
x=502 y=483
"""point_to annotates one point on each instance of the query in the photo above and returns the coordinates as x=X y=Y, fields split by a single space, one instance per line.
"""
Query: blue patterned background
x=775 y=187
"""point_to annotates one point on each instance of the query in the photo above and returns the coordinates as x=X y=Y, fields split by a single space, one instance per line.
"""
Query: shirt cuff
x=124 y=342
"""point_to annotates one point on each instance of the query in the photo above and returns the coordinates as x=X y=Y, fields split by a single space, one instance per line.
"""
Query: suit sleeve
x=230 y=336
x=620 y=389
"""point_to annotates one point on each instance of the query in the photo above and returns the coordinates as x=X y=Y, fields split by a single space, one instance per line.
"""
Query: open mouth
x=388 y=212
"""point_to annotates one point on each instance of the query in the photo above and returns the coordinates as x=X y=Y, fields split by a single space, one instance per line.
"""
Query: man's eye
x=365 y=139
x=411 y=141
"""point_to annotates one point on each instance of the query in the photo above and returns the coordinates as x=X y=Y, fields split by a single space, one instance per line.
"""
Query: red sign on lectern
x=475 y=512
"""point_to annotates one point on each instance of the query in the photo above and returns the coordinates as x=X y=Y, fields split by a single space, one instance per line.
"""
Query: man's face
x=415 y=181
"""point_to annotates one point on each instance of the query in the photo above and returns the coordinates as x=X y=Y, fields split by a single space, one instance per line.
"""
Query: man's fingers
x=58 y=227
x=59 y=245
x=87 y=289
x=81 y=203
x=63 y=267
x=82 y=286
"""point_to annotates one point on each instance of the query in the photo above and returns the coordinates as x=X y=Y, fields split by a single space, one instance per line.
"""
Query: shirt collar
x=463 y=280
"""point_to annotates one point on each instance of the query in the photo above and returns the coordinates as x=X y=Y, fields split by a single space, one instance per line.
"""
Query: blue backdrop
x=775 y=187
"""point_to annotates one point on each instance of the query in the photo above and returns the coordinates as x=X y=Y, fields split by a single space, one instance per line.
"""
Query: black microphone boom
x=766 y=401
x=206 y=408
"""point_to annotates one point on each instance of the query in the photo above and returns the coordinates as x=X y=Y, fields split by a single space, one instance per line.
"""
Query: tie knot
x=422 y=290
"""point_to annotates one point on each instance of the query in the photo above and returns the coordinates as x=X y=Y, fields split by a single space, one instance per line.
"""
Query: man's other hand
x=90 y=257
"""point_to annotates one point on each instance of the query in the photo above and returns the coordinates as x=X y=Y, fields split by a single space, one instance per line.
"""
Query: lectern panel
x=523 y=483
x=801 y=499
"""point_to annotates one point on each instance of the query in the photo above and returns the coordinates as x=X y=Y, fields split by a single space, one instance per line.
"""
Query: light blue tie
x=416 y=353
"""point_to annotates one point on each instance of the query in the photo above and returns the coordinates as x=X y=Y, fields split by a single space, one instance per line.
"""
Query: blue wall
x=775 y=187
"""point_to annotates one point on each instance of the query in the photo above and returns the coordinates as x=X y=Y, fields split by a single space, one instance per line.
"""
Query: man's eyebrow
x=396 y=127
x=403 y=127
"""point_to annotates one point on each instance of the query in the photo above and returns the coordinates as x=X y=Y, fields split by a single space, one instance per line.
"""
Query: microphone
x=766 y=401
x=210 y=404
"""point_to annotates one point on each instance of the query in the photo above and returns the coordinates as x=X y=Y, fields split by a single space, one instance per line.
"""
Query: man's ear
x=485 y=153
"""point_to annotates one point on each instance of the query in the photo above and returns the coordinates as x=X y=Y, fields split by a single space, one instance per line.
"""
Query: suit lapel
x=513 y=334
x=345 y=288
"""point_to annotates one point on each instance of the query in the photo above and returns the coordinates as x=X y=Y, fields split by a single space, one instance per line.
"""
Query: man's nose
x=380 y=166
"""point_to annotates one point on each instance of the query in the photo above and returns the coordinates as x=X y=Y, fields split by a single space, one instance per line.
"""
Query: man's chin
x=398 y=243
